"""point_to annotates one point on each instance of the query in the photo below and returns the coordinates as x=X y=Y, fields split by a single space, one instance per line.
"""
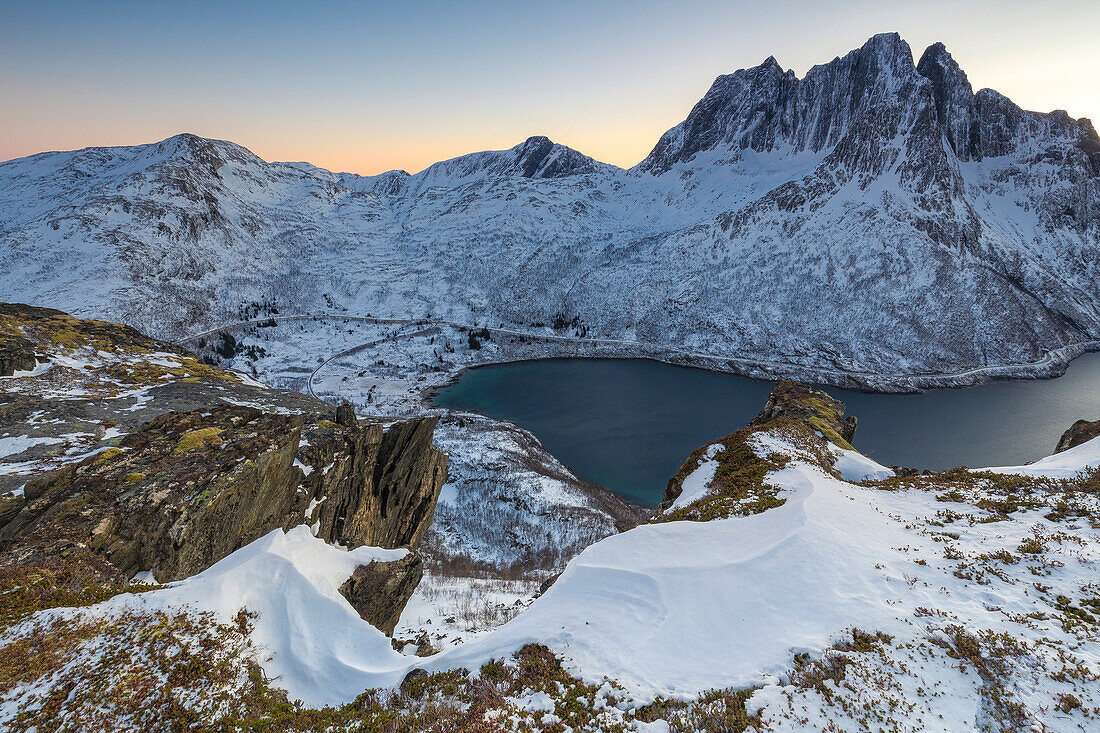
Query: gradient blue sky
x=370 y=86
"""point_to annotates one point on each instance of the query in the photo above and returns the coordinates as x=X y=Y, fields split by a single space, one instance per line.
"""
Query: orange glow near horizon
x=386 y=86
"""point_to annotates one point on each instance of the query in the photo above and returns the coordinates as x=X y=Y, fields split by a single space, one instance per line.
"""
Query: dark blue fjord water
x=628 y=424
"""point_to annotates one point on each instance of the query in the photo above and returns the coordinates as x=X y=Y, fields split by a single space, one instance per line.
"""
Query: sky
x=366 y=87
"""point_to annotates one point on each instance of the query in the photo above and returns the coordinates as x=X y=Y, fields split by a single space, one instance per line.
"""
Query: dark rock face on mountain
x=1080 y=432
x=373 y=487
x=537 y=157
x=380 y=590
x=988 y=125
x=954 y=99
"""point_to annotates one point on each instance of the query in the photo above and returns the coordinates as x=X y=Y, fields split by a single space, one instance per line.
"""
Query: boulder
x=345 y=415
x=409 y=684
x=1080 y=432
x=16 y=355
x=379 y=591
x=546 y=584
x=422 y=641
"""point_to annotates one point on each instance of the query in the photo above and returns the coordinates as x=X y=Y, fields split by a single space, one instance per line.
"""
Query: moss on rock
x=198 y=439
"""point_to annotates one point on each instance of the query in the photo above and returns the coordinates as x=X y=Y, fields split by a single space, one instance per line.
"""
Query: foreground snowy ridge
x=745 y=233
x=970 y=595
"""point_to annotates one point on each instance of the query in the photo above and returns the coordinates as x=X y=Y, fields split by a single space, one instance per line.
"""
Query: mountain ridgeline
x=876 y=216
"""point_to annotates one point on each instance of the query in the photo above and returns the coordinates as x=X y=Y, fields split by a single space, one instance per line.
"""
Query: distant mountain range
x=876 y=215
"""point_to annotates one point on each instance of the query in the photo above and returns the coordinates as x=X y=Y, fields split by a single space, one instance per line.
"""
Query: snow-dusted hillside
x=960 y=601
x=874 y=216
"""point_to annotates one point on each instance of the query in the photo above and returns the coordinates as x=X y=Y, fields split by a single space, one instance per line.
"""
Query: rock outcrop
x=188 y=489
x=1080 y=432
x=188 y=476
x=821 y=411
x=380 y=590
x=17 y=354
x=30 y=327
x=372 y=487
x=737 y=483
x=178 y=495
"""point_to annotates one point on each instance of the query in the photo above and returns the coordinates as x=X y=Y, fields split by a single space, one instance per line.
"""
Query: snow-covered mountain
x=876 y=215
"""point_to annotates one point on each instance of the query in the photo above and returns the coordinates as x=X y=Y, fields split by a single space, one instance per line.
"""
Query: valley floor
x=311 y=350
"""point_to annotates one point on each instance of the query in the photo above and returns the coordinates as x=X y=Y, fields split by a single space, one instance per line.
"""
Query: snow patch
x=15 y=445
x=1067 y=464
x=854 y=466
x=313 y=642
x=697 y=483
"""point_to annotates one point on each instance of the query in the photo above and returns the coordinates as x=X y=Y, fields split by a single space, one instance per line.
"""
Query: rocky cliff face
x=820 y=410
x=373 y=487
x=187 y=488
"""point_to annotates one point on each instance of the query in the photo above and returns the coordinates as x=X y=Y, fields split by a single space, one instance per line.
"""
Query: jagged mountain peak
x=879 y=54
x=885 y=53
x=954 y=99
x=538 y=140
x=765 y=107
x=936 y=52
x=937 y=61
x=855 y=105
x=770 y=63
x=888 y=45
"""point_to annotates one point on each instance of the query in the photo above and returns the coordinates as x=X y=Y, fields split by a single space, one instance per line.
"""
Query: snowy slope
x=875 y=216
x=1066 y=464
x=673 y=609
